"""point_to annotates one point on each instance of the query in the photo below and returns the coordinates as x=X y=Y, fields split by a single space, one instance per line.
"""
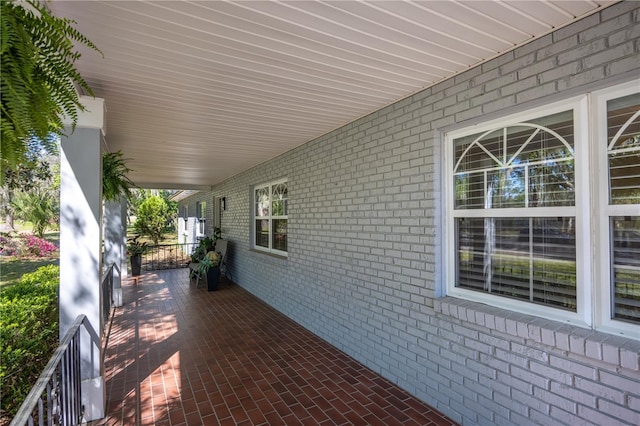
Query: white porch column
x=80 y=241
x=123 y=260
x=114 y=244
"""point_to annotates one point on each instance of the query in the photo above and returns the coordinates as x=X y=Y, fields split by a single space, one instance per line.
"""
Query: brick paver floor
x=180 y=355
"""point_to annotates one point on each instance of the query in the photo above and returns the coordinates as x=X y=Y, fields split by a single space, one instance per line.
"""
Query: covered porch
x=180 y=355
x=369 y=266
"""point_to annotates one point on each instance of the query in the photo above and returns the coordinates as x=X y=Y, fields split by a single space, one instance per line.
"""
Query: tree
x=37 y=206
x=153 y=214
x=38 y=76
x=39 y=166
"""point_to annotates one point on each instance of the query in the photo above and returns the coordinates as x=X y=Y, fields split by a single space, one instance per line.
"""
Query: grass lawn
x=11 y=269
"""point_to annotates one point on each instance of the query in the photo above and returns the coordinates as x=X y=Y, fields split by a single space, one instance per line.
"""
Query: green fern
x=38 y=76
x=115 y=182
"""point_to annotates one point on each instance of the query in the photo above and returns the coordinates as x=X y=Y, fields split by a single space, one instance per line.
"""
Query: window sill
x=619 y=351
x=266 y=253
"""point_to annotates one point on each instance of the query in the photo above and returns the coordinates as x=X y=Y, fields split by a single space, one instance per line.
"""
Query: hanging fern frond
x=115 y=182
x=37 y=59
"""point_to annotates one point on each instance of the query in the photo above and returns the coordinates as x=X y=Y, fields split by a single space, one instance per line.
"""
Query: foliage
x=10 y=246
x=205 y=246
x=28 y=333
x=153 y=218
x=26 y=245
x=217 y=232
x=115 y=182
x=40 y=168
x=35 y=167
x=40 y=247
x=13 y=268
x=172 y=207
x=211 y=260
x=38 y=76
x=138 y=196
x=38 y=207
x=135 y=247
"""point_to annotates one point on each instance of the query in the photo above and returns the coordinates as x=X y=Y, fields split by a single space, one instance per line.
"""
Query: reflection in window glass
x=279 y=200
x=271 y=209
x=280 y=234
x=532 y=259
x=524 y=165
x=623 y=147
x=262 y=233
x=626 y=268
x=262 y=202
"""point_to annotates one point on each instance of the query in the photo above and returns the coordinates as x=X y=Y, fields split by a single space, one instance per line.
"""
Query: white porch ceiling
x=197 y=92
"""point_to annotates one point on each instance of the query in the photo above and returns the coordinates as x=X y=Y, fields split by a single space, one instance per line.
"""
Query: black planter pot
x=213 y=277
x=136 y=264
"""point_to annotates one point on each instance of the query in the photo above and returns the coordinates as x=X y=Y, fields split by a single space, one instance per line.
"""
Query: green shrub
x=28 y=333
x=153 y=217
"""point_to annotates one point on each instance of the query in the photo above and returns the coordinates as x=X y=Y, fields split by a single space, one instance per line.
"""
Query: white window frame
x=186 y=217
x=217 y=212
x=583 y=315
x=270 y=217
x=201 y=218
x=603 y=304
x=592 y=212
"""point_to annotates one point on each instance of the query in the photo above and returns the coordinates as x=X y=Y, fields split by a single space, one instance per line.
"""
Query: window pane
x=279 y=203
x=531 y=259
x=623 y=142
x=280 y=234
x=551 y=184
x=626 y=268
x=469 y=191
x=524 y=165
x=262 y=202
x=506 y=188
x=262 y=233
x=472 y=151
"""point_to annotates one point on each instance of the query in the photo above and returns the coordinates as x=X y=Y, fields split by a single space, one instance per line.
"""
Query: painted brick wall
x=363 y=266
x=189 y=235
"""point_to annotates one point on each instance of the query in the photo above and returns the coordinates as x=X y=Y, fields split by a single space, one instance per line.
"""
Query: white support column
x=114 y=245
x=123 y=259
x=80 y=245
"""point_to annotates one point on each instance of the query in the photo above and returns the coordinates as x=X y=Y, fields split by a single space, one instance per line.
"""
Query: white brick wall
x=189 y=235
x=362 y=270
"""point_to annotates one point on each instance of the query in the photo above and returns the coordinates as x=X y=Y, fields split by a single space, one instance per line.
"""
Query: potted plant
x=210 y=267
x=115 y=182
x=135 y=250
x=205 y=246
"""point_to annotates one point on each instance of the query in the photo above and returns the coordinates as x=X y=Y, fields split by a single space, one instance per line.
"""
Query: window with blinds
x=623 y=155
x=504 y=246
x=542 y=211
x=185 y=215
x=271 y=217
x=201 y=211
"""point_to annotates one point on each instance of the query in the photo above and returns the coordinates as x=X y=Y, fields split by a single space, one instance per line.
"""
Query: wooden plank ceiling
x=197 y=92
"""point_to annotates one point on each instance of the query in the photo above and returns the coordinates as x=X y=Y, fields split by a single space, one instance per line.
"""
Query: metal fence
x=55 y=399
x=107 y=294
x=167 y=256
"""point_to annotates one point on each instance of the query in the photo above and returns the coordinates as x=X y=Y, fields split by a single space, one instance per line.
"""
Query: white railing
x=56 y=397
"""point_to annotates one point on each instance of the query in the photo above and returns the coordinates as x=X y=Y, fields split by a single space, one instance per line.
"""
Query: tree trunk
x=9 y=227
